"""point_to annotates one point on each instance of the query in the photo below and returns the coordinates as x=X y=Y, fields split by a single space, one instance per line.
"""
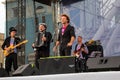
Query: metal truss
x=21 y=26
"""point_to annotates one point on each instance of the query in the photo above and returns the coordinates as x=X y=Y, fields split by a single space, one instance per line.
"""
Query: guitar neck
x=17 y=45
x=20 y=44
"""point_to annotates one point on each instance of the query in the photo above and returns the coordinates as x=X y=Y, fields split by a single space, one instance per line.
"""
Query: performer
x=12 y=57
x=66 y=37
x=80 y=52
x=42 y=43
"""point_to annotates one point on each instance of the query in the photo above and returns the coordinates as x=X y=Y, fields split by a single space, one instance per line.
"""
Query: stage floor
x=108 y=75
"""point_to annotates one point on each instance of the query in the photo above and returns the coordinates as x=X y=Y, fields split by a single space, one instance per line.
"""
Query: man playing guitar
x=80 y=53
x=12 y=57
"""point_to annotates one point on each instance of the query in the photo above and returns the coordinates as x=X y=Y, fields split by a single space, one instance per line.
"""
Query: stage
x=63 y=68
x=109 y=75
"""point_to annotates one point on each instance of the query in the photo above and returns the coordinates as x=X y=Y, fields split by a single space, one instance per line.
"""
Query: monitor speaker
x=3 y=73
x=103 y=63
x=26 y=70
x=57 y=65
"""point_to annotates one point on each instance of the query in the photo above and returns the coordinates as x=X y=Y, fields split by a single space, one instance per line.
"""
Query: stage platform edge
x=109 y=75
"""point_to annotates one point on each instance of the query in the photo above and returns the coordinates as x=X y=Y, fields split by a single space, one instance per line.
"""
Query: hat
x=12 y=29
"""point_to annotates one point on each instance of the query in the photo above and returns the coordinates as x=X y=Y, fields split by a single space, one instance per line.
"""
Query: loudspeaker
x=104 y=64
x=3 y=73
x=26 y=70
x=57 y=65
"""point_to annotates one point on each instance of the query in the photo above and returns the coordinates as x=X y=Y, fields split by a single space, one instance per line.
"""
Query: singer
x=66 y=37
x=41 y=45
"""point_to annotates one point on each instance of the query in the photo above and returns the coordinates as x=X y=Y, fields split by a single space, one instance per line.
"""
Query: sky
x=2 y=16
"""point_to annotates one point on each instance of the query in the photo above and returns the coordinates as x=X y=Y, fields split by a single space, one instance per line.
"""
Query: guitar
x=11 y=48
x=77 y=52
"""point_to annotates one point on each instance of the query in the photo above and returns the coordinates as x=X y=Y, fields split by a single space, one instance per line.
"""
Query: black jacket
x=7 y=42
x=66 y=37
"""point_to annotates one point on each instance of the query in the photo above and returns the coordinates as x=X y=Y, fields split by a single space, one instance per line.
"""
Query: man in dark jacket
x=81 y=55
x=42 y=43
x=12 y=57
x=66 y=37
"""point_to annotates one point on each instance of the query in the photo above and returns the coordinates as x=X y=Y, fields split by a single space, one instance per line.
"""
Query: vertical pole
x=35 y=17
x=56 y=6
x=22 y=28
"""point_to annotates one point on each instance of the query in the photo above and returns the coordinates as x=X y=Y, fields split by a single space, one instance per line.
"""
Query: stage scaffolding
x=56 y=12
x=93 y=19
x=20 y=14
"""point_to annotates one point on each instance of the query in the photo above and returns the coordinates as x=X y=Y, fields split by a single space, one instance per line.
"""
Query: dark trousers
x=11 y=59
x=80 y=65
x=40 y=52
x=65 y=52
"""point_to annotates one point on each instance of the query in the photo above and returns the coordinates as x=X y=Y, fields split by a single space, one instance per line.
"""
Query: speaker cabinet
x=57 y=65
x=3 y=73
x=103 y=63
x=26 y=70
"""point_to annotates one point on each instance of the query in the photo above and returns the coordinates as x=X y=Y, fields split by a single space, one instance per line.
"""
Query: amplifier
x=104 y=63
x=57 y=65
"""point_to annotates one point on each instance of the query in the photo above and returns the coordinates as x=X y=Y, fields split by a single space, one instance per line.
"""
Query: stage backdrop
x=96 y=21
